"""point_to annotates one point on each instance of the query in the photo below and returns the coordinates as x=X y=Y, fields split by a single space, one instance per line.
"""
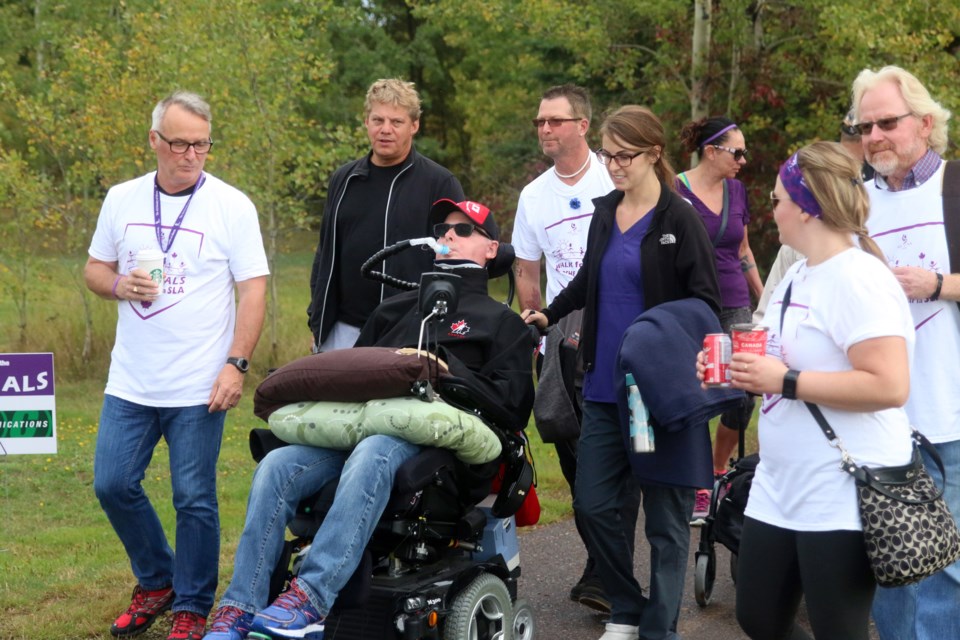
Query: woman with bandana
x=844 y=342
x=721 y=200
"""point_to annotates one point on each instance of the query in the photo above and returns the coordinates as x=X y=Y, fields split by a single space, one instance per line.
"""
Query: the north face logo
x=668 y=238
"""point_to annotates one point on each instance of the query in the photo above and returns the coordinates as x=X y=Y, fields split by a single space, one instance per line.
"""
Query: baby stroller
x=444 y=560
x=723 y=523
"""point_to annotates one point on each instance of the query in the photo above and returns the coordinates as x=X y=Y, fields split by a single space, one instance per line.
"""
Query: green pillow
x=341 y=425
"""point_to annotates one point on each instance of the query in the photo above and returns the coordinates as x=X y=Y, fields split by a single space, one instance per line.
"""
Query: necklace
x=575 y=173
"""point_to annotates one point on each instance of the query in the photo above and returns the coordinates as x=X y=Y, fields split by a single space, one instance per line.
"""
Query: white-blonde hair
x=916 y=96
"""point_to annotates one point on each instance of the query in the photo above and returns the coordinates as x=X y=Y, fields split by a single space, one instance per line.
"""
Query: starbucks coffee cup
x=151 y=261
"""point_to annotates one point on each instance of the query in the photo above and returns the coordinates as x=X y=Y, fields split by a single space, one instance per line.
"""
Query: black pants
x=779 y=566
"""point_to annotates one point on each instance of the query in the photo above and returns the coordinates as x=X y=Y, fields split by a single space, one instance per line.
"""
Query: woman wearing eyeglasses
x=721 y=200
x=645 y=246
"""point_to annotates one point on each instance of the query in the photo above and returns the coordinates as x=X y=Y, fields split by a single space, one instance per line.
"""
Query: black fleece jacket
x=483 y=341
x=675 y=254
x=421 y=182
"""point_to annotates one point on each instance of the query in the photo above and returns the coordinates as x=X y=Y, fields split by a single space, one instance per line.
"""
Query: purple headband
x=717 y=135
x=796 y=186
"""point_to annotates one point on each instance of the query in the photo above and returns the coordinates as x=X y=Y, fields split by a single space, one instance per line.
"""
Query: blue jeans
x=927 y=610
x=290 y=474
x=604 y=483
x=126 y=439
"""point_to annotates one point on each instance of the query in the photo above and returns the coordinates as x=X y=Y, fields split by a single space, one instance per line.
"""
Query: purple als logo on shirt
x=459 y=329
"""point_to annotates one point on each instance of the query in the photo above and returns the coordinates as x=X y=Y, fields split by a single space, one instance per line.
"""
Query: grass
x=63 y=572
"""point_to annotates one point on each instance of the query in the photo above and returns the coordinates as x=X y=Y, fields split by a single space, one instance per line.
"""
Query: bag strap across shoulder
x=951 y=213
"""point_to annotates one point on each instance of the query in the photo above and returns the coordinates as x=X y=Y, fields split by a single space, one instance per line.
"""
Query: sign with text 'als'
x=28 y=414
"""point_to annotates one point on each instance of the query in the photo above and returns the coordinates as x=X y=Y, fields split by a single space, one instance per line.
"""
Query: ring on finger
x=135 y=289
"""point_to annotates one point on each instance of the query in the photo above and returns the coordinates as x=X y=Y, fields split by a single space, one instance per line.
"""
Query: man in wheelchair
x=484 y=343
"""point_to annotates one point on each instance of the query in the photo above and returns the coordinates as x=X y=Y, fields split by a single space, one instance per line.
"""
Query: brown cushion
x=345 y=375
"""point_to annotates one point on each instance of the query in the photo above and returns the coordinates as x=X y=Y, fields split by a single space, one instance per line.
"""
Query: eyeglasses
x=462 y=229
x=738 y=154
x=181 y=146
x=553 y=122
x=885 y=124
x=850 y=130
x=775 y=199
x=623 y=158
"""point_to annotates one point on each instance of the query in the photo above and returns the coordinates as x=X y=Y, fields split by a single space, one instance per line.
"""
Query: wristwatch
x=242 y=364
x=790 y=384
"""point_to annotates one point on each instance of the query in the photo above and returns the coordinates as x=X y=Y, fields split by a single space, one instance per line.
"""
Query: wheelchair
x=444 y=561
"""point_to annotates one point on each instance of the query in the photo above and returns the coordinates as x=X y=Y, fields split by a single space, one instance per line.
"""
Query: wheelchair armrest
x=457 y=393
x=262 y=442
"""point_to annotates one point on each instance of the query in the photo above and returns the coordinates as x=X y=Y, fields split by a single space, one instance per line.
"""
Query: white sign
x=28 y=412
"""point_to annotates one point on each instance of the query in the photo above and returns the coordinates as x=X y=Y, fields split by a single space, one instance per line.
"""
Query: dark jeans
x=603 y=486
x=779 y=566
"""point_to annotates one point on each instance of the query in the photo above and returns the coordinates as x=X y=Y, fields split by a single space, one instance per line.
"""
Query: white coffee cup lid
x=149 y=254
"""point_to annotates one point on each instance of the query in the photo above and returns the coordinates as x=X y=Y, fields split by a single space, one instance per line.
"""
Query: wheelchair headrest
x=503 y=262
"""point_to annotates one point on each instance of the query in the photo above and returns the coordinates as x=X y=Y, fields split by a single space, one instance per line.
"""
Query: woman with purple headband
x=844 y=342
x=721 y=200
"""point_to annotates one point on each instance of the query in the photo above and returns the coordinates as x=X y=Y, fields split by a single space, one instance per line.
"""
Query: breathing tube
x=367 y=271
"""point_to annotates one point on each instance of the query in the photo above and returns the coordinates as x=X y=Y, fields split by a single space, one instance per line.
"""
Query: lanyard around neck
x=158 y=223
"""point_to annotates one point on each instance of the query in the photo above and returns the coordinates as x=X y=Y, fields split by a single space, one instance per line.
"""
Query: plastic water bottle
x=641 y=432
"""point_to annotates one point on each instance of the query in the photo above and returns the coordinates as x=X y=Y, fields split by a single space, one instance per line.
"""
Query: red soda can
x=718 y=349
x=749 y=338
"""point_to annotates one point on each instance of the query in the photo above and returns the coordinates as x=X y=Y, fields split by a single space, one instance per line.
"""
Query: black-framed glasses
x=181 y=146
x=623 y=159
x=885 y=124
x=553 y=122
x=462 y=229
x=738 y=154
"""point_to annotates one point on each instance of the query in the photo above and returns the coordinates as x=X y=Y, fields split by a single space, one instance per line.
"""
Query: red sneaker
x=187 y=625
x=144 y=608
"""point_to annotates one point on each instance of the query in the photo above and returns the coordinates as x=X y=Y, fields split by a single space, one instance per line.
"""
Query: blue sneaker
x=290 y=616
x=229 y=623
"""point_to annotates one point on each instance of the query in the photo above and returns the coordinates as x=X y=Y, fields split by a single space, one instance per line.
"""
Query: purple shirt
x=733 y=285
x=619 y=302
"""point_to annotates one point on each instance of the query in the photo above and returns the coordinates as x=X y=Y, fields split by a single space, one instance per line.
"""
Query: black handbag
x=908 y=529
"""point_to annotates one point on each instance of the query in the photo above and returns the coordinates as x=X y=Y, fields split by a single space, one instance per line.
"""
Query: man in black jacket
x=372 y=203
x=483 y=342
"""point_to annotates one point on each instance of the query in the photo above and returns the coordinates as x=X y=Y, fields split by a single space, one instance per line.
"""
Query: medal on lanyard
x=157 y=222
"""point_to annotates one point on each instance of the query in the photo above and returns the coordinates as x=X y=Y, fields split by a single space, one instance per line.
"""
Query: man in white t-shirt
x=553 y=216
x=182 y=348
x=903 y=132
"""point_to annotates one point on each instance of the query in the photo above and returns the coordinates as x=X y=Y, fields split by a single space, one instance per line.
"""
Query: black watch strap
x=790 y=384
x=242 y=364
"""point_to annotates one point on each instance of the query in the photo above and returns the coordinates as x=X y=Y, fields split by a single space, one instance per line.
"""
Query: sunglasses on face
x=462 y=229
x=738 y=154
x=553 y=122
x=885 y=124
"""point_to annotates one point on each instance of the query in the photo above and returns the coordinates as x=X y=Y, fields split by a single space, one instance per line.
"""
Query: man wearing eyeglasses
x=903 y=132
x=182 y=348
x=372 y=203
x=553 y=216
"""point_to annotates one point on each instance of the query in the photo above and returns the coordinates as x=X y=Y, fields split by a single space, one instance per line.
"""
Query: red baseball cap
x=478 y=213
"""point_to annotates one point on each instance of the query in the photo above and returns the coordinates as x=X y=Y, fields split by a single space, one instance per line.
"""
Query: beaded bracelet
x=114 y=289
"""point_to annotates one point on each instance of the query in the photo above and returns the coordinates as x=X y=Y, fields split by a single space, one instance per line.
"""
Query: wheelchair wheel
x=481 y=611
x=524 y=627
x=704 y=576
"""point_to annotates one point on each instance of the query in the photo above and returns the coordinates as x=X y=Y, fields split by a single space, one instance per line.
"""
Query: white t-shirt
x=908 y=226
x=845 y=300
x=553 y=219
x=168 y=353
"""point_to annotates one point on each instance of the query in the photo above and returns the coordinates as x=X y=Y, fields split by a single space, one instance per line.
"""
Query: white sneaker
x=620 y=632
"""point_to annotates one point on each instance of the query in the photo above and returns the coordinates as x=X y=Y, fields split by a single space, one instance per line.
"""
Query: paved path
x=552 y=559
